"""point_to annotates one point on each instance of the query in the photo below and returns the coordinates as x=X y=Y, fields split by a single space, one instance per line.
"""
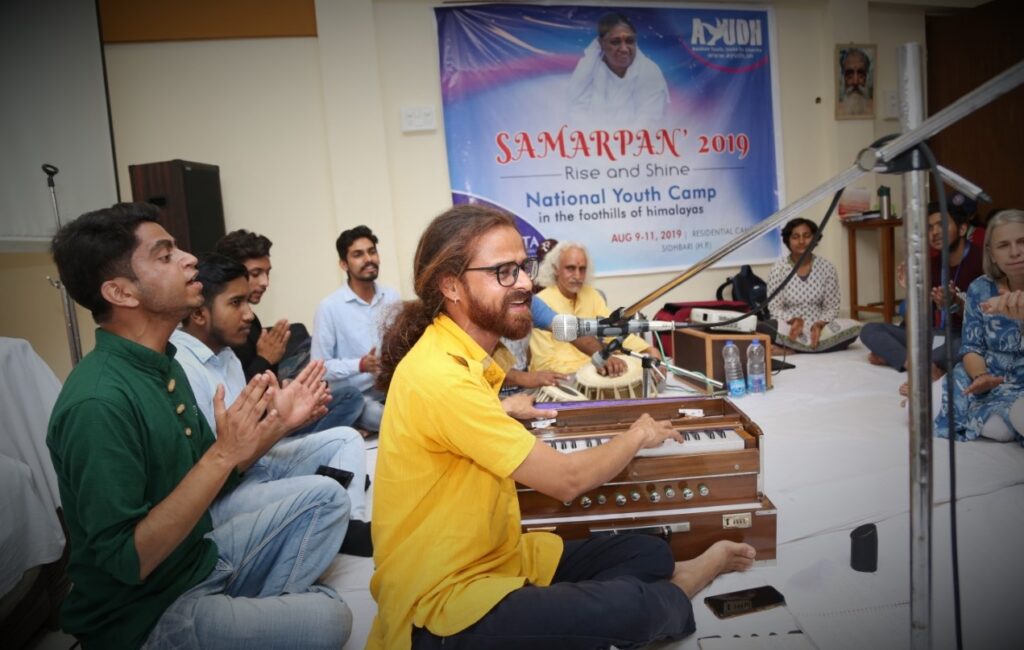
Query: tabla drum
x=558 y=393
x=628 y=385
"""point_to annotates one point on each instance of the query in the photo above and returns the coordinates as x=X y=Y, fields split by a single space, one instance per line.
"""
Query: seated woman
x=807 y=309
x=989 y=381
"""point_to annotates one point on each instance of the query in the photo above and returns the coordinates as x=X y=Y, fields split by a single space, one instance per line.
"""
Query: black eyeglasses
x=508 y=272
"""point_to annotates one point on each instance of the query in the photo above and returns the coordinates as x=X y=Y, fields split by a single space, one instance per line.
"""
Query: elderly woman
x=807 y=309
x=989 y=381
x=615 y=81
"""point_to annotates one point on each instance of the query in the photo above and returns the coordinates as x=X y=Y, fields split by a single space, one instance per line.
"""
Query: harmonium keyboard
x=694 y=493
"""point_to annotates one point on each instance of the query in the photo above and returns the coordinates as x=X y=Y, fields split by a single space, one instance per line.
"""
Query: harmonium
x=694 y=493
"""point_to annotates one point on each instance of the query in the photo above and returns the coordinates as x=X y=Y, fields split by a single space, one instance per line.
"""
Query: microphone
x=566 y=327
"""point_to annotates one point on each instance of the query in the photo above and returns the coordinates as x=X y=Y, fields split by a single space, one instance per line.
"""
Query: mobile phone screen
x=745 y=601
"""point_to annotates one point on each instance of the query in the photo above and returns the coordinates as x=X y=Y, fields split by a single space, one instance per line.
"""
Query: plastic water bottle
x=755 y=368
x=733 y=370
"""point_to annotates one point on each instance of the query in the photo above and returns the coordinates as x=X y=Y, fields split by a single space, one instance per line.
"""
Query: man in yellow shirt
x=453 y=566
x=565 y=275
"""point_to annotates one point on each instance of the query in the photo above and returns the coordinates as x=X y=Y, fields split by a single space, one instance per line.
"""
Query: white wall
x=255 y=108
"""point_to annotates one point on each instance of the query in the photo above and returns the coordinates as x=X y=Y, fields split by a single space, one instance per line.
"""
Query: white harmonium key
x=696 y=442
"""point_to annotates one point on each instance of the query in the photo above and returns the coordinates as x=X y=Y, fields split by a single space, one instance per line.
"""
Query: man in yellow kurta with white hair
x=452 y=565
x=565 y=274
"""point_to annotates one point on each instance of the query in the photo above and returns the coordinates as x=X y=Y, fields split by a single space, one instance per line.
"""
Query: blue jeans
x=282 y=471
x=343 y=410
x=890 y=343
x=373 y=410
x=261 y=592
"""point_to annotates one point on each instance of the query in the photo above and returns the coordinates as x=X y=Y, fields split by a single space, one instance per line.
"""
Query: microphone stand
x=649 y=363
x=70 y=317
x=616 y=319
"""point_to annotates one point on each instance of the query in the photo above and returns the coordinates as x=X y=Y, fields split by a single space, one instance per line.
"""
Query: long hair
x=1000 y=218
x=547 y=274
x=445 y=249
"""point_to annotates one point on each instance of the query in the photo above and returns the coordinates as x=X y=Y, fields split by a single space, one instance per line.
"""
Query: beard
x=954 y=242
x=498 y=320
x=367 y=273
x=172 y=307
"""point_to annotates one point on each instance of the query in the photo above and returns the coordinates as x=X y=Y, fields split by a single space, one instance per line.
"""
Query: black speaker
x=188 y=195
x=864 y=548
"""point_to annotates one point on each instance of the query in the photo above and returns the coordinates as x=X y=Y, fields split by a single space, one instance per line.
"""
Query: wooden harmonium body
x=708 y=488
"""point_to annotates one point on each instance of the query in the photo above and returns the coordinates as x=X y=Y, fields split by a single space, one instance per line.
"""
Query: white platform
x=837 y=456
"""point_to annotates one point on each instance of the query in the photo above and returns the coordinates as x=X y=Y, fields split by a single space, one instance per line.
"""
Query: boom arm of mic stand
x=868 y=161
x=696 y=376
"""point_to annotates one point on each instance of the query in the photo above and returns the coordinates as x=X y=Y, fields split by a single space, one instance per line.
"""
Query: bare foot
x=723 y=557
x=875 y=360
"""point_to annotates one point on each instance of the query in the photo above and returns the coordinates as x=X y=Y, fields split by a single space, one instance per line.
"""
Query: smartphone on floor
x=745 y=601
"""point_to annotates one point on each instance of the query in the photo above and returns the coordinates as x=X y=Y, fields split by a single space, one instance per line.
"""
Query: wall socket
x=418 y=118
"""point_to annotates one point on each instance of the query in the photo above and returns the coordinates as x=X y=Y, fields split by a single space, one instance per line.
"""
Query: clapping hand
x=1007 y=303
x=242 y=427
x=303 y=399
x=272 y=343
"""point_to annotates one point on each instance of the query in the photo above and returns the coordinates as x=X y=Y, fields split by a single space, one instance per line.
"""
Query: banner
x=652 y=145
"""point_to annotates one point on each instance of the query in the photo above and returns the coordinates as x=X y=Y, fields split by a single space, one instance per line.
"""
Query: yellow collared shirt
x=548 y=354
x=446 y=525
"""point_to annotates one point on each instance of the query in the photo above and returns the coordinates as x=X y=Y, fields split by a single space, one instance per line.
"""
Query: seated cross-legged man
x=888 y=343
x=453 y=567
x=266 y=349
x=204 y=350
x=565 y=274
x=348 y=322
x=138 y=467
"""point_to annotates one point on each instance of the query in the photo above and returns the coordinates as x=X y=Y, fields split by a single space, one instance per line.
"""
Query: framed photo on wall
x=855 y=81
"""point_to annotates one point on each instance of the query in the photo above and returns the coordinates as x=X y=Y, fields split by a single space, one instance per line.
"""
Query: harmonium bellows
x=694 y=493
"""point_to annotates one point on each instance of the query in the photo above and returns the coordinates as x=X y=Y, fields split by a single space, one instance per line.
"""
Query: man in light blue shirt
x=348 y=323
x=204 y=350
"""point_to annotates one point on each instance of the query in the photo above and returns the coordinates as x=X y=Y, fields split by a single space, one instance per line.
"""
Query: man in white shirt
x=204 y=350
x=348 y=323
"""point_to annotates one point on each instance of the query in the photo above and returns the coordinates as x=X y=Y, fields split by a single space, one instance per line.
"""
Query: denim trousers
x=373 y=411
x=344 y=410
x=890 y=342
x=289 y=464
x=608 y=590
x=261 y=593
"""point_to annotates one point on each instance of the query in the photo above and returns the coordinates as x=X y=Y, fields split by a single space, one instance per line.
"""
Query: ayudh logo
x=727 y=32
